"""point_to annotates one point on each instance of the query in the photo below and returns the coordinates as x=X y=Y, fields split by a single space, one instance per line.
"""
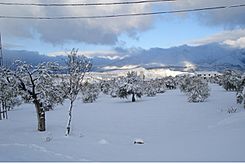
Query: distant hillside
x=29 y=56
x=205 y=57
x=211 y=56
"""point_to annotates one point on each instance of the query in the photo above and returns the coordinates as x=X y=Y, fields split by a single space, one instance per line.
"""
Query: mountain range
x=205 y=57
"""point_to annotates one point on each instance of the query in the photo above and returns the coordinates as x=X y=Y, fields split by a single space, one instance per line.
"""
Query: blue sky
x=173 y=32
x=225 y=26
x=164 y=34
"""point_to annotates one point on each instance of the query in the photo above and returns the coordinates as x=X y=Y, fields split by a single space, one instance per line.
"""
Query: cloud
x=107 y=31
x=109 y=54
x=239 y=43
x=12 y=46
x=233 y=38
x=91 y=31
x=189 y=66
x=229 y=17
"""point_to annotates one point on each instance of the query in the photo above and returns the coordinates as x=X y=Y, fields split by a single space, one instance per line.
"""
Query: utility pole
x=1 y=51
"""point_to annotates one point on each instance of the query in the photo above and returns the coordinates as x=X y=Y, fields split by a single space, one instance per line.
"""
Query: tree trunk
x=40 y=115
x=0 y=111
x=133 y=97
x=68 y=128
x=3 y=110
x=5 y=115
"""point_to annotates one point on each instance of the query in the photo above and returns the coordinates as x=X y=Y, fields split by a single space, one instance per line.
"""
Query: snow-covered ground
x=171 y=128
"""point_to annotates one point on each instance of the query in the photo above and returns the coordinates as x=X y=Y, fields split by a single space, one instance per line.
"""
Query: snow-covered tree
x=240 y=96
x=130 y=85
x=160 y=85
x=215 y=79
x=53 y=98
x=109 y=87
x=105 y=86
x=231 y=80
x=170 y=82
x=90 y=92
x=198 y=90
x=150 y=88
x=195 y=88
x=8 y=92
x=184 y=83
x=37 y=84
x=76 y=66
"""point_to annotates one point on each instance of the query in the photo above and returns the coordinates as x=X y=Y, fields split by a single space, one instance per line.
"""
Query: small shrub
x=232 y=110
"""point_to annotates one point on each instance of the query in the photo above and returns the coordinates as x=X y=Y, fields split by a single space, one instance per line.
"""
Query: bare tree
x=77 y=66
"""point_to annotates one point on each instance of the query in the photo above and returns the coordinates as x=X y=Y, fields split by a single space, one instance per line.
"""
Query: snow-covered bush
x=130 y=85
x=160 y=85
x=90 y=92
x=170 y=83
x=240 y=96
x=198 y=91
x=231 y=80
x=235 y=81
x=109 y=87
x=184 y=83
x=216 y=79
x=195 y=88
x=105 y=86
x=232 y=110
x=149 y=88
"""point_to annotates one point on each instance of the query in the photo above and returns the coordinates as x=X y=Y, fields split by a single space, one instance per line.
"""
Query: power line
x=82 y=4
x=122 y=15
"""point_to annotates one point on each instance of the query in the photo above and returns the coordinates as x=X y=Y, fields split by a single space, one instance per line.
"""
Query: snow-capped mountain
x=211 y=56
x=207 y=57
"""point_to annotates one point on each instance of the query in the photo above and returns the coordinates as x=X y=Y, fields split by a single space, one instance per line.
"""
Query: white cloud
x=109 y=54
x=228 y=17
x=96 y=31
x=234 y=38
x=239 y=43
x=106 y=31
x=189 y=66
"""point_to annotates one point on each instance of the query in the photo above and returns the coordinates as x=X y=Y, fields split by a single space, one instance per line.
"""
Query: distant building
x=207 y=74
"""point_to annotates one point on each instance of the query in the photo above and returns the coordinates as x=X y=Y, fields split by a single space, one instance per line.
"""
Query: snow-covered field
x=172 y=130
